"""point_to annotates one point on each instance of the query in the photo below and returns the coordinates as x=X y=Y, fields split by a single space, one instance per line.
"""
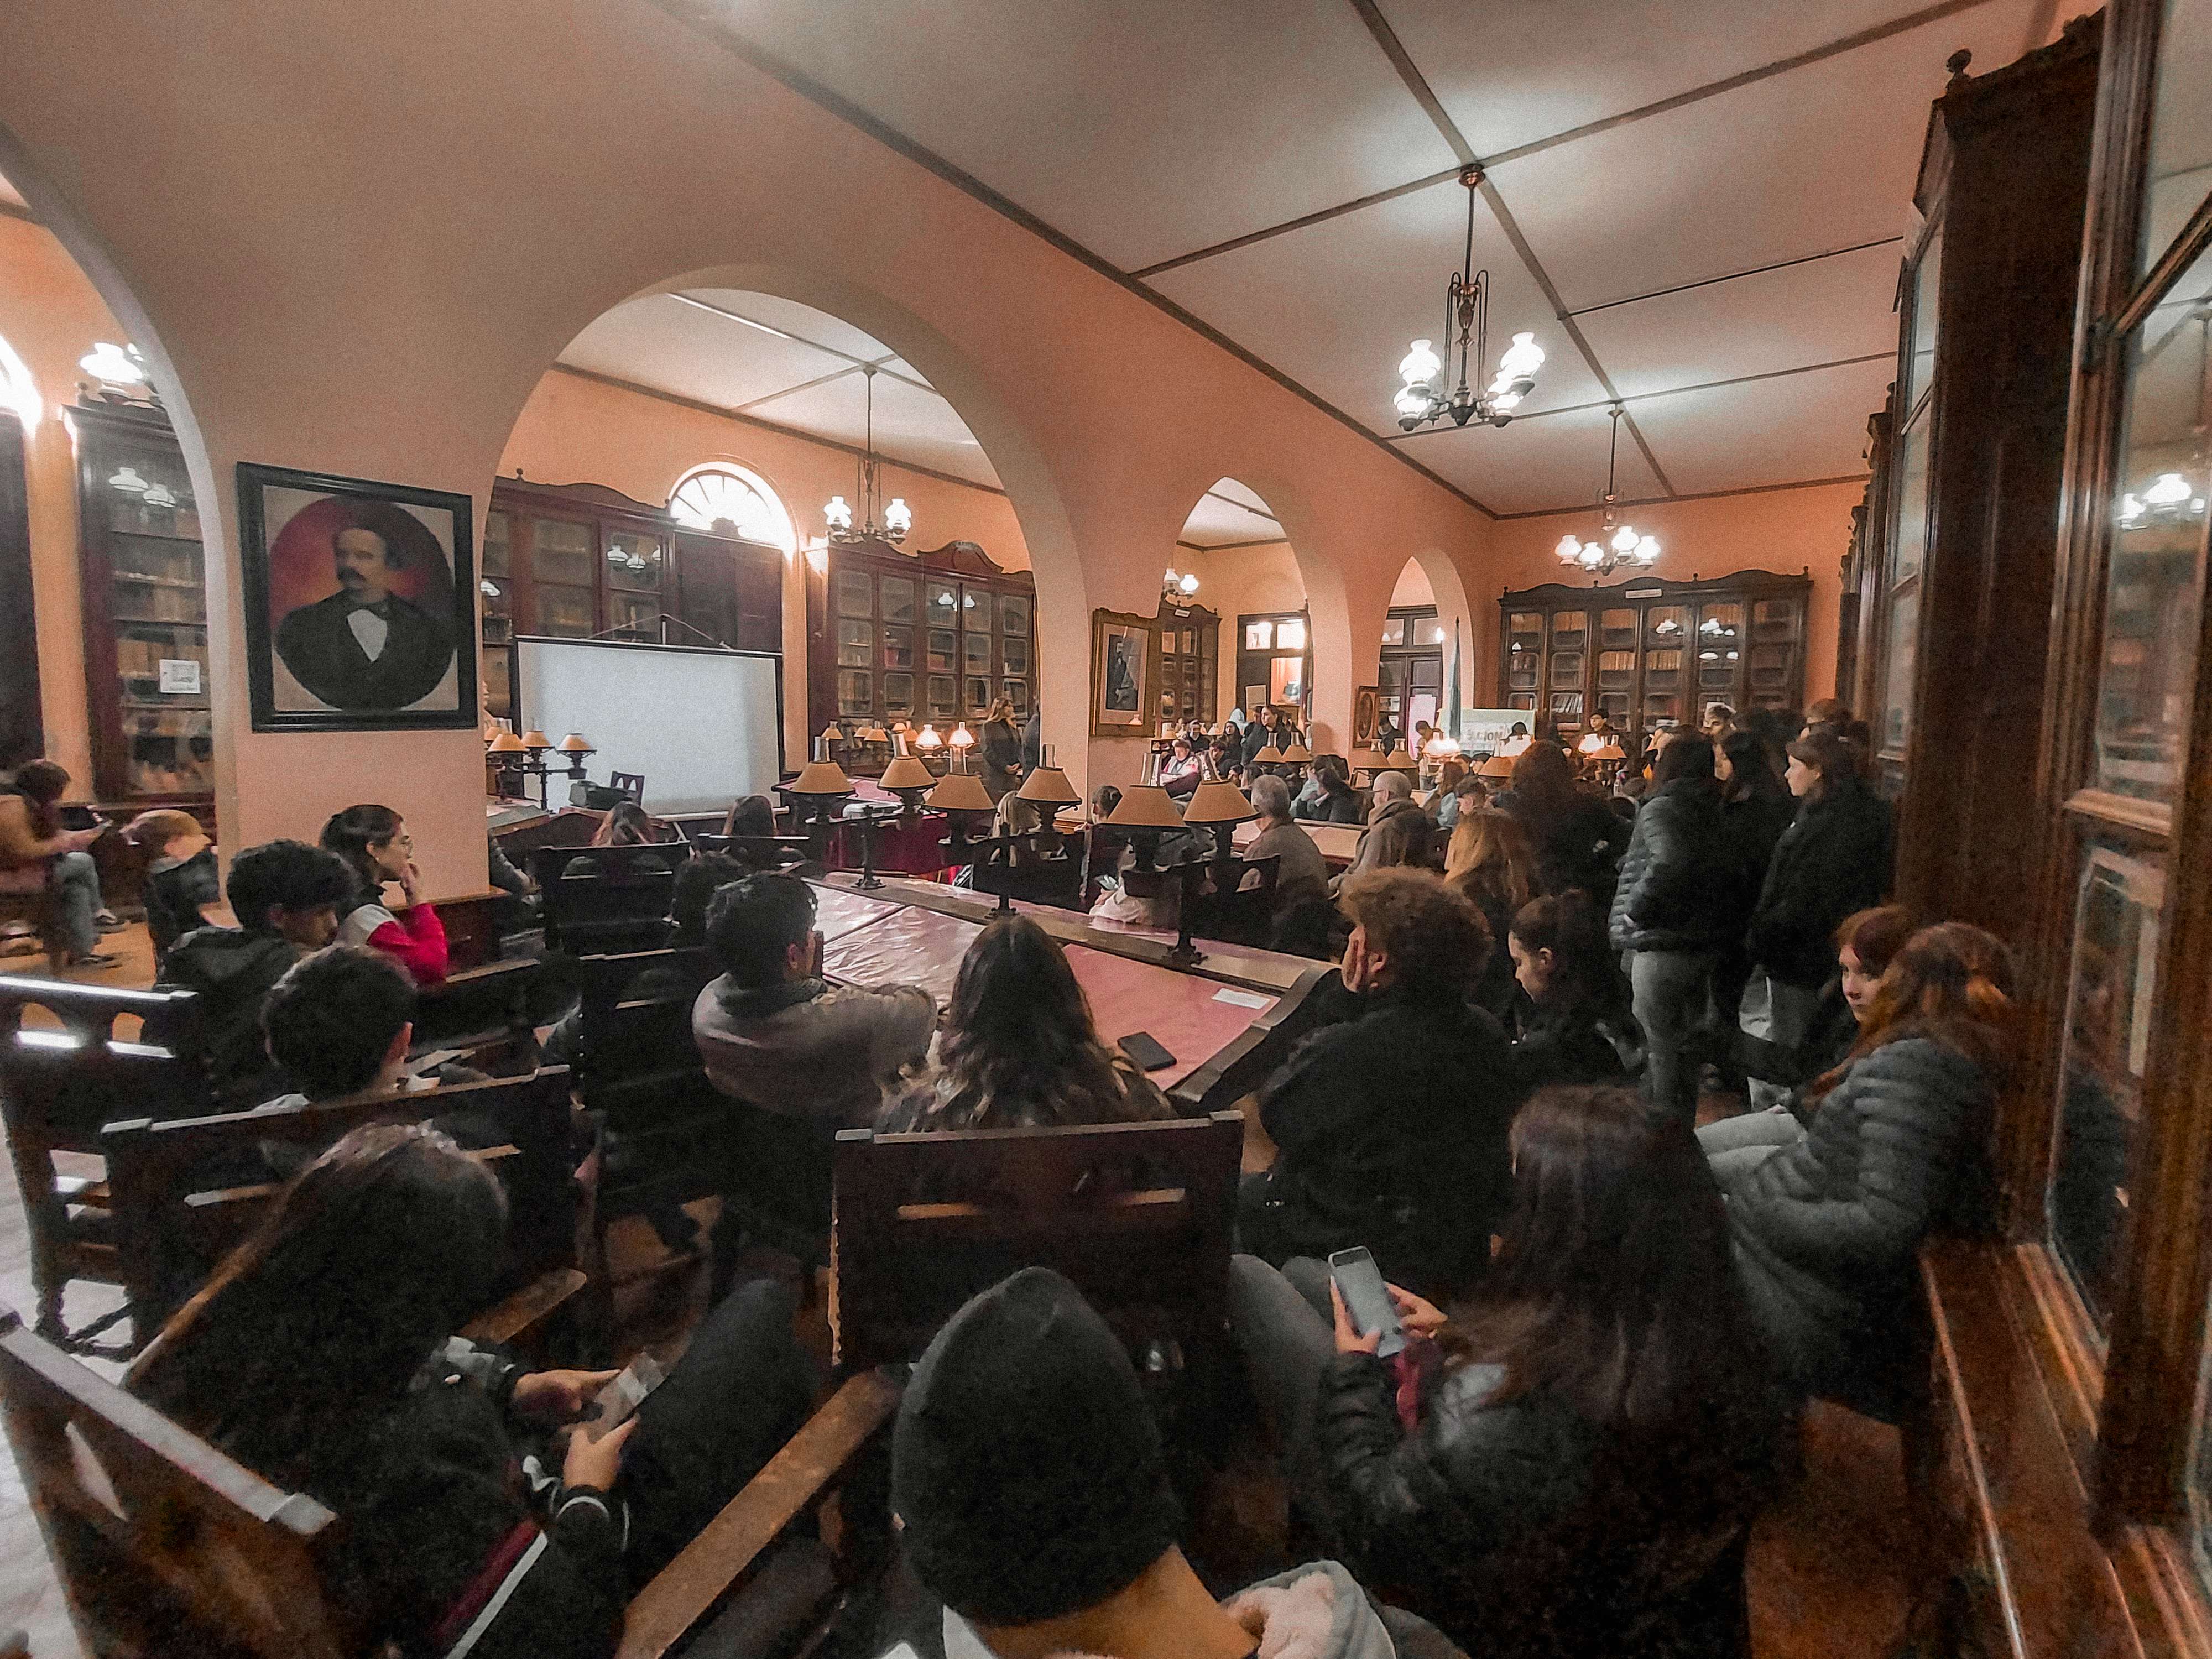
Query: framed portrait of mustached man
x=360 y=603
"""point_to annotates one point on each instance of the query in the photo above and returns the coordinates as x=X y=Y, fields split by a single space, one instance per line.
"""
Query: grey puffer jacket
x=1825 y=1230
x=1679 y=888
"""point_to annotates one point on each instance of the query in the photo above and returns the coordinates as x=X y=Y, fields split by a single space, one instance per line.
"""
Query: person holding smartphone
x=37 y=854
x=1583 y=1459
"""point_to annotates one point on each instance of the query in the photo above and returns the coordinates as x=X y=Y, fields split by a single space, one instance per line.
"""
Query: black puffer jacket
x=1391 y=1133
x=1569 y=1039
x=1680 y=879
x=232 y=970
x=1826 y=1231
x=1579 y=840
x=1832 y=859
x=1510 y=1524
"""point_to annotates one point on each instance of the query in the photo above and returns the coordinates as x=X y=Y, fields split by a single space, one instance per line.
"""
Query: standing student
x=1001 y=740
x=1578 y=839
x=1832 y=859
x=375 y=845
x=1756 y=808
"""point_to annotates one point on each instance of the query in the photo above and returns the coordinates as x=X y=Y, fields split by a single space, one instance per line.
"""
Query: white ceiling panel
x=662 y=343
x=911 y=425
x=1333 y=305
x=1513 y=72
x=1534 y=466
x=803 y=322
x=1228 y=514
x=1822 y=312
x=1242 y=495
x=1779 y=431
x=1145 y=129
x=1822 y=158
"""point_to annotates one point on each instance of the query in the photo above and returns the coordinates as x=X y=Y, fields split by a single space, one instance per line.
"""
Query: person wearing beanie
x=1029 y=1480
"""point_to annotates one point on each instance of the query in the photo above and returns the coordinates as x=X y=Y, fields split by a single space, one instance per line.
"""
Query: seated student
x=1328 y=797
x=1459 y=790
x=814 y=1059
x=1866 y=944
x=37 y=855
x=286 y=896
x=1302 y=875
x=1390 y=1127
x=1182 y=771
x=181 y=877
x=1491 y=859
x=1828 y=1217
x=627 y=824
x=324 y=1362
x=1031 y=1483
x=374 y=842
x=337 y=1025
x=1571 y=1016
x=751 y=815
x=1585 y=1463
x=1018 y=1049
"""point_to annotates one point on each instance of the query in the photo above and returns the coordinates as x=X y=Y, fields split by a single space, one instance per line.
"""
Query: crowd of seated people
x=1612 y=1313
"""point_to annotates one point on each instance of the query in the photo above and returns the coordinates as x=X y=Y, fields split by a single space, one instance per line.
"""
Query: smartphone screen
x=1366 y=1298
x=621 y=1398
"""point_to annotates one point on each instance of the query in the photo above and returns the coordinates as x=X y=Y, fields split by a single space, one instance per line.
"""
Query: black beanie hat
x=1026 y=1465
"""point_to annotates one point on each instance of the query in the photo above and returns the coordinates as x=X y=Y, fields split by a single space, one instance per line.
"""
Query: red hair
x=1952 y=984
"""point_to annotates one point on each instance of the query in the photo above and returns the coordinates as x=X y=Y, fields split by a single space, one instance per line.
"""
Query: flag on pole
x=1451 y=691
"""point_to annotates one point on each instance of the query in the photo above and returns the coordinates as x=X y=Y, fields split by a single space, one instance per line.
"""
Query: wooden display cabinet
x=931 y=638
x=142 y=574
x=1187 y=650
x=1649 y=651
x=575 y=561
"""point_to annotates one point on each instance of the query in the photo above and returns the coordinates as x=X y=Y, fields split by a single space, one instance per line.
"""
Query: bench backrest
x=618 y=907
x=172 y=1226
x=1137 y=1215
x=149 y=1525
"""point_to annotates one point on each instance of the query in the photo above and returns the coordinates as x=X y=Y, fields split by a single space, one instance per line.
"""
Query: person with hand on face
x=1389 y=1127
x=37 y=855
x=286 y=896
x=374 y=843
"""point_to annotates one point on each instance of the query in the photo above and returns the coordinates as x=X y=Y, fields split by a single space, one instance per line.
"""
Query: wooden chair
x=620 y=908
x=480 y=1009
x=25 y=897
x=631 y=784
x=1231 y=912
x=57 y=1088
x=170 y=1229
x=1048 y=867
x=762 y=852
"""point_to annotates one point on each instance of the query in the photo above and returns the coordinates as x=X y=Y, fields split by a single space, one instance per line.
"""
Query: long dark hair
x=1543 y=779
x=351 y=833
x=1020 y=1049
x=627 y=825
x=40 y=784
x=311 y=1331
x=1689 y=758
x=1586 y=974
x=1751 y=775
x=1613 y=1287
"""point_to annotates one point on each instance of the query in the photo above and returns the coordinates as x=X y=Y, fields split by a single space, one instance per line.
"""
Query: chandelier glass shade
x=1422 y=397
x=1177 y=589
x=1618 y=546
x=837 y=511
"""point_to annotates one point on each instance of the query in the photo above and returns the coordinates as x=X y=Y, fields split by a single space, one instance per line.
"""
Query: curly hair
x=1434 y=939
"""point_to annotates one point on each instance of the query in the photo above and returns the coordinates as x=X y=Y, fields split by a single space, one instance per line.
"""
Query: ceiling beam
x=1289 y=225
x=1700 y=495
x=876 y=363
x=1737 y=276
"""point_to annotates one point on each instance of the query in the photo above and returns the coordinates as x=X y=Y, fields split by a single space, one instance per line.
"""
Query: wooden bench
x=170 y=1229
x=56 y=1088
x=620 y=907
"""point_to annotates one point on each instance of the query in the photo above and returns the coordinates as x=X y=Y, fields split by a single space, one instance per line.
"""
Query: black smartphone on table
x=1145 y=1052
x=1367 y=1298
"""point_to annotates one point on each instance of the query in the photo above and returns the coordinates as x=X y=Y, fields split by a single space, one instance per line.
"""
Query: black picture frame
x=309 y=666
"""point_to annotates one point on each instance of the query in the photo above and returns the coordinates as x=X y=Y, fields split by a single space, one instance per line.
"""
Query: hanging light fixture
x=1466 y=308
x=1178 y=590
x=1619 y=547
x=837 y=511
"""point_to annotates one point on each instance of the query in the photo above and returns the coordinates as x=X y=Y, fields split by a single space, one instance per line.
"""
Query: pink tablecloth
x=912 y=946
x=1193 y=1018
x=838 y=911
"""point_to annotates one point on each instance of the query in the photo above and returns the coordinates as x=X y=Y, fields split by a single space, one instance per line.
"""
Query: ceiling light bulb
x=1523 y=358
x=1170 y=579
x=1189 y=584
x=1419 y=365
x=107 y=362
x=1647 y=551
x=898 y=517
x=838 y=514
x=1593 y=555
x=1570 y=549
x=1412 y=404
x=1625 y=539
x=1505 y=400
x=2167 y=489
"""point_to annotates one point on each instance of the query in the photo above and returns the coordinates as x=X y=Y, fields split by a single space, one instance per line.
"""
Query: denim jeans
x=1671 y=987
x=1789 y=1011
x=74 y=887
x=1287 y=1333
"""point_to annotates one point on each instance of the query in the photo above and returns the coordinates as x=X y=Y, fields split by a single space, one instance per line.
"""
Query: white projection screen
x=704 y=727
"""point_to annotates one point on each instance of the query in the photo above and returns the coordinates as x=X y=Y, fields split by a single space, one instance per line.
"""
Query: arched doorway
x=1249 y=587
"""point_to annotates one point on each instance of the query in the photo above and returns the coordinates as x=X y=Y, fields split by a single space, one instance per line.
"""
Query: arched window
x=728 y=501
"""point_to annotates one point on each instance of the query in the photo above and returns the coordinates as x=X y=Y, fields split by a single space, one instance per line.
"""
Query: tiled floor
x=1830 y=1563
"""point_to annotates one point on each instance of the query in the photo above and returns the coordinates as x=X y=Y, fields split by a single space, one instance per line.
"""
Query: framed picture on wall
x=359 y=604
x=1120 y=667
x=1366 y=715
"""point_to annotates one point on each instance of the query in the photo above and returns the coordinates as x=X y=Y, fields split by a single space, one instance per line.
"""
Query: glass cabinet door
x=1524 y=661
x=1570 y=645
x=634 y=563
x=1666 y=636
x=1720 y=656
x=562 y=557
x=157 y=608
x=1775 y=626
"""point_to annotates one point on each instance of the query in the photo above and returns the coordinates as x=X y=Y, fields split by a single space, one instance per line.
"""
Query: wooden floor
x=1831 y=1567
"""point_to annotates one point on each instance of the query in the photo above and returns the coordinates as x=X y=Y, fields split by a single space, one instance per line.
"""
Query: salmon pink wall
x=52 y=315
x=1783 y=531
x=353 y=239
x=577 y=430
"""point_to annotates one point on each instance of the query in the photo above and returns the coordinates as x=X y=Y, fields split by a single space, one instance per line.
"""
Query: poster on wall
x=1121 y=658
x=360 y=603
x=1490 y=731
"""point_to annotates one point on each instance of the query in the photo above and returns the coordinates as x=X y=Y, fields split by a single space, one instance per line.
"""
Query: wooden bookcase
x=142 y=573
x=1650 y=650
x=1187 y=650
x=572 y=560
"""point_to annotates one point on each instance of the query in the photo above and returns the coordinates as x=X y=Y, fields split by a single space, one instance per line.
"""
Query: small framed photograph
x=1366 y=715
x=1121 y=665
x=361 y=610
